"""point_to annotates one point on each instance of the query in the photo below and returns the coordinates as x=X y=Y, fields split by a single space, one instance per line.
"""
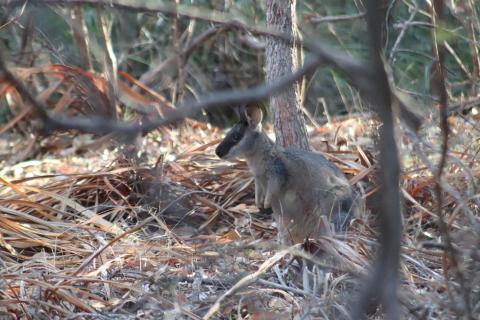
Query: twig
x=87 y=261
x=346 y=17
x=79 y=30
x=180 y=63
x=438 y=80
x=251 y=278
x=467 y=16
x=463 y=105
x=38 y=109
x=148 y=77
x=101 y=125
x=109 y=60
x=403 y=25
x=283 y=287
x=19 y=14
x=402 y=33
x=359 y=75
x=458 y=60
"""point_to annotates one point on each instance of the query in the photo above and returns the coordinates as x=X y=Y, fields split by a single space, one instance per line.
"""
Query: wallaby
x=303 y=188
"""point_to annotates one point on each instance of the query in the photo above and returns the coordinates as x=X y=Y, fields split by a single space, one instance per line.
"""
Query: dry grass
x=95 y=237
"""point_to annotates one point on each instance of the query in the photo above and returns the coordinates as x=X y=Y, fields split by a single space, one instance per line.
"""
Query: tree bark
x=282 y=59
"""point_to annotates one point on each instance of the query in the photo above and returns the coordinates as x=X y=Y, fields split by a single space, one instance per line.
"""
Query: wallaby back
x=303 y=188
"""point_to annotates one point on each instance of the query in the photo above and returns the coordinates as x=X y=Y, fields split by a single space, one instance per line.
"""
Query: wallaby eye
x=236 y=136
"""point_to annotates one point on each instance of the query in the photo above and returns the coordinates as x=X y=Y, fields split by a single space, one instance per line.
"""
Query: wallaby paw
x=268 y=211
x=259 y=204
x=267 y=203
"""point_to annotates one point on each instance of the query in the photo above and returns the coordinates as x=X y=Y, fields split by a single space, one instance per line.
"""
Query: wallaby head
x=240 y=140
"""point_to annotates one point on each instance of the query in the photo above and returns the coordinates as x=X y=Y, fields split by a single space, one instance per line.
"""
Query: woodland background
x=108 y=225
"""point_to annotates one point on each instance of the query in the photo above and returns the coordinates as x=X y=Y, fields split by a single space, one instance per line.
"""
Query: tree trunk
x=282 y=59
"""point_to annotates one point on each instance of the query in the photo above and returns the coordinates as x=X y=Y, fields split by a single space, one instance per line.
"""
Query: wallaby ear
x=242 y=113
x=254 y=115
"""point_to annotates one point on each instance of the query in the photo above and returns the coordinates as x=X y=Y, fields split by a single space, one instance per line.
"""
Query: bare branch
x=382 y=287
x=359 y=74
x=79 y=30
x=16 y=17
x=354 y=69
x=109 y=59
x=339 y=18
x=180 y=62
x=402 y=33
x=102 y=125
x=462 y=106
x=148 y=77
x=439 y=89
x=38 y=109
x=458 y=60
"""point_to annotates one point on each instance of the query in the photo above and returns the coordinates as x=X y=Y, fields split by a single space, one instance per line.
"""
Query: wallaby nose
x=220 y=151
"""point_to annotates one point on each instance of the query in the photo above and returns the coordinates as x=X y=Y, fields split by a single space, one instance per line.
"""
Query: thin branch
x=80 y=34
x=463 y=106
x=38 y=108
x=16 y=17
x=438 y=85
x=403 y=25
x=458 y=60
x=339 y=18
x=245 y=281
x=109 y=59
x=359 y=74
x=402 y=33
x=101 y=125
x=148 y=77
x=180 y=62
x=355 y=70
x=467 y=16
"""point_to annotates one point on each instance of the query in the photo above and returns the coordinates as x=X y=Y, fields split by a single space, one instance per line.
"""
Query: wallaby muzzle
x=232 y=139
x=222 y=149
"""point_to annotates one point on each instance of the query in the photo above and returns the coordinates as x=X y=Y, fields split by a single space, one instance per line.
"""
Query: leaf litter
x=88 y=233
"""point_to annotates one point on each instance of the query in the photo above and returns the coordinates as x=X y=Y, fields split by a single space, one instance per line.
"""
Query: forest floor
x=91 y=229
